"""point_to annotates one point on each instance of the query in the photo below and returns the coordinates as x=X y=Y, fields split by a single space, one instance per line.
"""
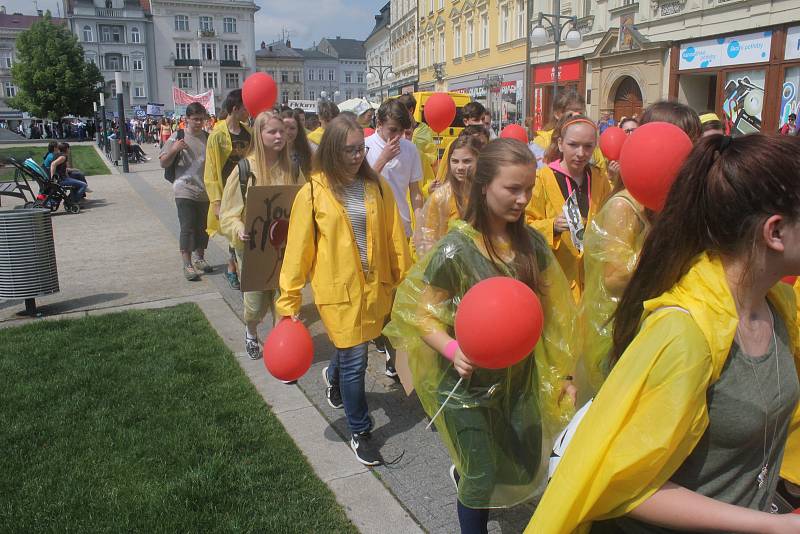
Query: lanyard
x=556 y=166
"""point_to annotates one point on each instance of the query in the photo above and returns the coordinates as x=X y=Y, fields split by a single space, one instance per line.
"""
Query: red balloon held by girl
x=789 y=280
x=650 y=161
x=611 y=141
x=368 y=132
x=288 y=350
x=439 y=111
x=259 y=93
x=498 y=322
x=515 y=131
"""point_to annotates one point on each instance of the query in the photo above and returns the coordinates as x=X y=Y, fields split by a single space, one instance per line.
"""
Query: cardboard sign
x=404 y=371
x=574 y=220
x=267 y=222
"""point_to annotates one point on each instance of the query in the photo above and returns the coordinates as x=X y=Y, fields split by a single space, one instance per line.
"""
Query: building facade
x=321 y=75
x=117 y=36
x=10 y=27
x=203 y=46
x=377 y=48
x=476 y=47
x=740 y=59
x=351 y=72
x=286 y=66
x=403 y=42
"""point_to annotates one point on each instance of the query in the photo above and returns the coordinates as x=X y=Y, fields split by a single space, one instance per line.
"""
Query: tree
x=51 y=74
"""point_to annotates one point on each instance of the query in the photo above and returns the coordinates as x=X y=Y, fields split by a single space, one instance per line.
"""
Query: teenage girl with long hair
x=497 y=420
x=614 y=241
x=346 y=235
x=448 y=202
x=299 y=149
x=269 y=164
x=698 y=417
x=568 y=174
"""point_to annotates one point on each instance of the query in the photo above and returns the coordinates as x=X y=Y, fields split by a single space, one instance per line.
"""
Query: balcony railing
x=230 y=63
x=206 y=33
x=108 y=13
x=187 y=62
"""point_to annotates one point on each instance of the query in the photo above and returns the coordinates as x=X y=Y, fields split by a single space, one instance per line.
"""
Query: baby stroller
x=51 y=193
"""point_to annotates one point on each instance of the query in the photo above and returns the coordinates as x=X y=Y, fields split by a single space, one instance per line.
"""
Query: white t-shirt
x=400 y=173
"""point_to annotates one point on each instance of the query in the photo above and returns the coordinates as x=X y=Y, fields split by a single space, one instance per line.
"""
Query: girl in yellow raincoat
x=448 y=202
x=269 y=164
x=346 y=235
x=568 y=175
x=698 y=418
x=614 y=241
x=498 y=422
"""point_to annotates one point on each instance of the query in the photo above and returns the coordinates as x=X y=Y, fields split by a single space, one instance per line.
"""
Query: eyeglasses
x=355 y=151
x=629 y=130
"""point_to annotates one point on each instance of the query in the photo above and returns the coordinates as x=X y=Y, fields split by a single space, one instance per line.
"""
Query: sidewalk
x=122 y=251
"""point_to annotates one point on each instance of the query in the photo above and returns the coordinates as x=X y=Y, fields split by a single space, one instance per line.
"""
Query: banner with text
x=181 y=99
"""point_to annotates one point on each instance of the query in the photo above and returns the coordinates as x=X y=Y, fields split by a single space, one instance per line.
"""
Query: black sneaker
x=332 y=393
x=253 y=347
x=391 y=372
x=365 y=451
x=380 y=344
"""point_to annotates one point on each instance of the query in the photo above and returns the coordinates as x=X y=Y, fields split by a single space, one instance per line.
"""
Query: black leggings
x=192 y=216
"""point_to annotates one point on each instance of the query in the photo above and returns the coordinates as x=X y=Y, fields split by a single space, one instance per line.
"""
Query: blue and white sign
x=726 y=51
x=792 y=43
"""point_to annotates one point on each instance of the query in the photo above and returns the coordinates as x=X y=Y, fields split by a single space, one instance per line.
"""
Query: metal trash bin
x=27 y=256
x=114 y=150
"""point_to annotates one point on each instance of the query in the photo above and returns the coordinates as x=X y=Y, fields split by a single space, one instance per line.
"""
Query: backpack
x=169 y=172
x=244 y=174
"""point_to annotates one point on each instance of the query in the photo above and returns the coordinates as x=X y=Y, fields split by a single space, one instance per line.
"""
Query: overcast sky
x=306 y=20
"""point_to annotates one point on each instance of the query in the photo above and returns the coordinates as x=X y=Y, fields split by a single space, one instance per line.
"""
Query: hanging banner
x=139 y=111
x=181 y=99
x=726 y=51
x=308 y=106
x=155 y=110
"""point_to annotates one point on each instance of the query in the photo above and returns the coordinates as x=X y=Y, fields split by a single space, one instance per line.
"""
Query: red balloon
x=439 y=111
x=515 y=131
x=278 y=232
x=789 y=280
x=611 y=142
x=498 y=322
x=259 y=93
x=288 y=350
x=650 y=160
x=368 y=132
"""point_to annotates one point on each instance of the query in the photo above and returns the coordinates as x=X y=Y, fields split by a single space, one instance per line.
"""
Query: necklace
x=761 y=479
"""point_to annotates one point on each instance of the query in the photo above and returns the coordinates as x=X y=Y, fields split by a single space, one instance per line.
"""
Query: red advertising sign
x=568 y=71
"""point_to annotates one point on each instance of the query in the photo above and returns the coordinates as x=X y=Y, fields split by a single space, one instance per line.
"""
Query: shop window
x=790 y=95
x=743 y=101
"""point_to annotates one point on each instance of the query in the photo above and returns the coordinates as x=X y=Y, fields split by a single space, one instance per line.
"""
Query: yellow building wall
x=498 y=34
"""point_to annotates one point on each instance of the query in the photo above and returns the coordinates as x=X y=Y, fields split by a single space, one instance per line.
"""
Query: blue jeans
x=78 y=189
x=347 y=370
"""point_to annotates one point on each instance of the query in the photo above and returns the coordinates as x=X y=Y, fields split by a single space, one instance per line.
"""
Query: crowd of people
x=674 y=324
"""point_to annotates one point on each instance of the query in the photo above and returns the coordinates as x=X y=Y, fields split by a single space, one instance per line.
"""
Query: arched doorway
x=628 y=99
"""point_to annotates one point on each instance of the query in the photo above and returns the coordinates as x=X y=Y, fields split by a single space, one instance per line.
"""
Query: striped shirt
x=353 y=197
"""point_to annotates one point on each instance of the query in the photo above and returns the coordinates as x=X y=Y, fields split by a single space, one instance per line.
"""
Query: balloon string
x=444 y=403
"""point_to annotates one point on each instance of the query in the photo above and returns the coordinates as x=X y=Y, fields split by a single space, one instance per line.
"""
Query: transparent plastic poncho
x=613 y=243
x=434 y=218
x=499 y=424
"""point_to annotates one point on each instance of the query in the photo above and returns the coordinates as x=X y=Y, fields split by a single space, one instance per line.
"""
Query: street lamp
x=382 y=72
x=324 y=94
x=539 y=35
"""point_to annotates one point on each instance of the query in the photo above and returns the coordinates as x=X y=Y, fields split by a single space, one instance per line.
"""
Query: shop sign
x=308 y=106
x=479 y=91
x=726 y=51
x=407 y=89
x=568 y=71
x=792 y=43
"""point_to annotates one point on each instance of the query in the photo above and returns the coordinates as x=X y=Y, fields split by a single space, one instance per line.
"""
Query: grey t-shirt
x=190 y=165
x=353 y=197
x=728 y=458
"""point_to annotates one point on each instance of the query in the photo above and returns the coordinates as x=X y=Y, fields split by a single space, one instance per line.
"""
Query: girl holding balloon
x=568 y=178
x=346 y=235
x=269 y=164
x=448 y=202
x=500 y=417
x=699 y=417
x=614 y=240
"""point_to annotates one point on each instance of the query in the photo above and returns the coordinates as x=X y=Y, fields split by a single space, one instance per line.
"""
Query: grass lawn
x=144 y=422
x=84 y=157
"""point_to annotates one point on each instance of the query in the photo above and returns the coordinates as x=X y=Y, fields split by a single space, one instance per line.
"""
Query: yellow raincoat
x=423 y=140
x=499 y=424
x=651 y=411
x=613 y=243
x=438 y=212
x=544 y=138
x=316 y=136
x=352 y=304
x=218 y=148
x=546 y=204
